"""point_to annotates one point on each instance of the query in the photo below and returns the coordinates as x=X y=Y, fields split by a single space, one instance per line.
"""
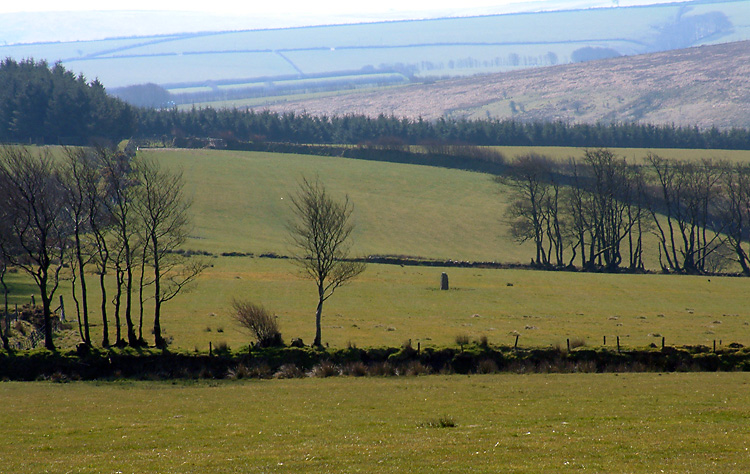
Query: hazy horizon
x=91 y=20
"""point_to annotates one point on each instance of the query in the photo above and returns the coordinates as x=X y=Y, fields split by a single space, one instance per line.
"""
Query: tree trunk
x=84 y=292
x=47 y=312
x=132 y=338
x=105 y=326
x=318 y=315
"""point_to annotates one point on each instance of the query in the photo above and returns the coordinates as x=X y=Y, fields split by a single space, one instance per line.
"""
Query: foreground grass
x=504 y=423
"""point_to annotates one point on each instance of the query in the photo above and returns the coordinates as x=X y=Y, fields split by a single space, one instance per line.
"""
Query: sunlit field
x=636 y=423
x=241 y=204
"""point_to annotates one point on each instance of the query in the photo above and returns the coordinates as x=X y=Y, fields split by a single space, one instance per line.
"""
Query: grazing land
x=241 y=205
x=639 y=423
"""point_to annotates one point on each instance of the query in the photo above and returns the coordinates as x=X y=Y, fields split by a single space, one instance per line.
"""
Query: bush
x=355 y=369
x=487 y=366
x=442 y=422
x=288 y=371
x=381 y=369
x=416 y=368
x=259 y=321
x=324 y=369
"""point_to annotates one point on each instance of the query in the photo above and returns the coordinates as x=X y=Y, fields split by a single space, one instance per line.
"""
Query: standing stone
x=444 y=281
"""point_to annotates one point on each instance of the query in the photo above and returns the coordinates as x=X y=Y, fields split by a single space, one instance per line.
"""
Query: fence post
x=618 y=343
x=662 y=342
x=515 y=346
x=568 y=340
x=605 y=341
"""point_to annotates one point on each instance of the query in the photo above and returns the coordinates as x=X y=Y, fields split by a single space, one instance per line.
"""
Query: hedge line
x=290 y=361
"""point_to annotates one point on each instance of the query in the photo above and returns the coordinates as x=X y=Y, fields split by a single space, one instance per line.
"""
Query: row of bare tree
x=95 y=211
x=598 y=209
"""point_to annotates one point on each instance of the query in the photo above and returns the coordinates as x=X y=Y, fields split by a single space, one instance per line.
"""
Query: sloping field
x=241 y=205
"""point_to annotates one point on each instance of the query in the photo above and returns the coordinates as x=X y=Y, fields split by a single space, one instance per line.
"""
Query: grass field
x=635 y=423
x=241 y=205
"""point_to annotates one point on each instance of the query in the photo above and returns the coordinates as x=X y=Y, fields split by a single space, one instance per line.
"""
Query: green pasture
x=390 y=304
x=241 y=204
x=635 y=423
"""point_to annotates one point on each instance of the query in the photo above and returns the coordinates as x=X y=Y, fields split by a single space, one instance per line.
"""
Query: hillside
x=705 y=86
x=231 y=64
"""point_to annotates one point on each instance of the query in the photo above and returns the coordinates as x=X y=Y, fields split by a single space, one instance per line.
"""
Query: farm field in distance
x=241 y=205
x=553 y=423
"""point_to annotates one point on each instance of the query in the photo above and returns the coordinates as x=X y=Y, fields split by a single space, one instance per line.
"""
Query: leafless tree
x=686 y=197
x=78 y=173
x=119 y=189
x=736 y=212
x=163 y=210
x=4 y=320
x=320 y=234
x=535 y=202
x=33 y=207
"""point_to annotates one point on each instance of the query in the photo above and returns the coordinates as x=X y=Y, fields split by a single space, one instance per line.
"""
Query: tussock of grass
x=441 y=422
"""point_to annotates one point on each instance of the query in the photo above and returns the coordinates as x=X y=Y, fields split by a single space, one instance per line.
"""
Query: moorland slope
x=705 y=86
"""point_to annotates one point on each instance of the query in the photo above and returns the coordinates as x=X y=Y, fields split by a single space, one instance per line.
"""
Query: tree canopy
x=52 y=105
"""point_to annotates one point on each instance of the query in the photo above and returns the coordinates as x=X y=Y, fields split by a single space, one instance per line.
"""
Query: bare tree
x=4 y=284
x=33 y=208
x=736 y=212
x=120 y=185
x=77 y=174
x=535 y=203
x=163 y=210
x=686 y=197
x=320 y=233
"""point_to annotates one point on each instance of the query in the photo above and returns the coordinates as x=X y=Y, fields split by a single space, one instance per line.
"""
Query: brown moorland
x=705 y=86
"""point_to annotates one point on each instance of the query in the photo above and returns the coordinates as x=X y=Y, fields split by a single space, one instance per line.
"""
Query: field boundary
x=290 y=362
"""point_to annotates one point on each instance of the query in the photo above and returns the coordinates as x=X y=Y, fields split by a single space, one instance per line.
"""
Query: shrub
x=577 y=342
x=381 y=369
x=355 y=369
x=416 y=368
x=222 y=348
x=324 y=369
x=462 y=340
x=288 y=371
x=260 y=370
x=239 y=372
x=259 y=321
x=442 y=422
x=487 y=366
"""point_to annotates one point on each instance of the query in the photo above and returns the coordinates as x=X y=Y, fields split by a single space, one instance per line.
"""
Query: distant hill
x=231 y=65
x=704 y=86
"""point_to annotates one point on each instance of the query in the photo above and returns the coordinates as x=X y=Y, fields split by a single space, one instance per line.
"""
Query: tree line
x=101 y=212
x=249 y=125
x=595 y=212
x=40 y=103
